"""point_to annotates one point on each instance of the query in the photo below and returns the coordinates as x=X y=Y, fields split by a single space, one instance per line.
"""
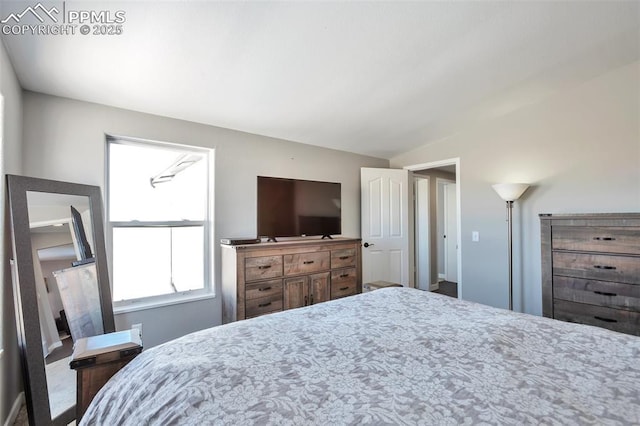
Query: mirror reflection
x=66 y=284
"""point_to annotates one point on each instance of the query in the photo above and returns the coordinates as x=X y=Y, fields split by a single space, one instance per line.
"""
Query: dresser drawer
x=624 y=269
x=303 y=263
x=601 y=293
x=260 y=268
x=597 y=239
x=343 y=283
x=264 y=305
x=343 y=258
x=613 y=319
x=339 y=290
x=263 y=289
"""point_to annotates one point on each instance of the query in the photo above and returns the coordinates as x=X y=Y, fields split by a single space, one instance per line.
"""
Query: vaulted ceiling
x=377 y=78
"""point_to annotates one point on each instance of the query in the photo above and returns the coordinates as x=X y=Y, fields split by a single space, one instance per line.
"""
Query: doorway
x=400 y=244
x=441 y=240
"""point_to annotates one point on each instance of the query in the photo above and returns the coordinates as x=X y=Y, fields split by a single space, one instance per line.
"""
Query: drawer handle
x=264 y=289
x=264 y=267
x=344 y=288
x=604 y=238
x=605 y=319
x=308 y=262
x=264 y=305
x=604 y=293
x=344 y=275
x=305 y=301
x=344 y=257
x=611 y=268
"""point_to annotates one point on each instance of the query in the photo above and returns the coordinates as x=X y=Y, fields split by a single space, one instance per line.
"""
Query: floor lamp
x=510 y=192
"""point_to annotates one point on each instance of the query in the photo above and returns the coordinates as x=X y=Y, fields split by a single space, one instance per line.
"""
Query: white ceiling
x=377 y=78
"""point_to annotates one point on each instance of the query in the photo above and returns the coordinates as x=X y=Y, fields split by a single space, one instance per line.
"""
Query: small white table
x=96 y=359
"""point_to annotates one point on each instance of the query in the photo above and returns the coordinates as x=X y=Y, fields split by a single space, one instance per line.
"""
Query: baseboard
x=15 y=409
x=55 y=345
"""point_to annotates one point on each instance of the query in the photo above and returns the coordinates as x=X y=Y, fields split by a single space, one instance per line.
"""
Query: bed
x=391 y=356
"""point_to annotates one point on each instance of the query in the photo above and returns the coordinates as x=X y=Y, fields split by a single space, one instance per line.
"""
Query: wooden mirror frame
x=24 y=289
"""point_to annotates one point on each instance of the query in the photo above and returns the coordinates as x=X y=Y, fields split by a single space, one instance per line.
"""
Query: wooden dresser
x=258 y=279
x=591 y=269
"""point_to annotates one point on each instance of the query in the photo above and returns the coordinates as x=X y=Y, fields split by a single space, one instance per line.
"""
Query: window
x=159 y=217
x=2 y=194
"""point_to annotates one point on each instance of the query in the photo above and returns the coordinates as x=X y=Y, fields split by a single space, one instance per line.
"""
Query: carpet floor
x=448 y=289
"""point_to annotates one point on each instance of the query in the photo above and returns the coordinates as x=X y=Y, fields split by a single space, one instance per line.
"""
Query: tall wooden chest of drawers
x=591 y=269
x=258 y=279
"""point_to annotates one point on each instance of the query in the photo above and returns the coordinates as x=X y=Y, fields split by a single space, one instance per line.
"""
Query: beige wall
x=10 y=161
x=580 y=149
x=65 y=140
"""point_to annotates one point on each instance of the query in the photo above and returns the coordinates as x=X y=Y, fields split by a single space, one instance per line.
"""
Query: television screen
x=292 y=207
x=81 y=236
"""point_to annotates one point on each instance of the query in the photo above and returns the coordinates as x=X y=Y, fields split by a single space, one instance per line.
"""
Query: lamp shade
x=510 y=191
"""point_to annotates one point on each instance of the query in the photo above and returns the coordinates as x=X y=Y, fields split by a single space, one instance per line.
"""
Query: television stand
x=258 y=279
x=327 y=236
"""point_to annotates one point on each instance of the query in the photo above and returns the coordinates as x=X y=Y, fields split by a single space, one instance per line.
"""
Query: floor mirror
x=60 y=284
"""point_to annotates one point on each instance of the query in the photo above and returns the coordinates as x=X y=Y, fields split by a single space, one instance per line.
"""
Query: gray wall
x=580 y=149
x=48 y=268
x=65 y=140
x=10 y=160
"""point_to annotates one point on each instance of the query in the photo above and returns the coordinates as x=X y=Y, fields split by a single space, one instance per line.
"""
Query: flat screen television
x=295 y=208
x=86 y=256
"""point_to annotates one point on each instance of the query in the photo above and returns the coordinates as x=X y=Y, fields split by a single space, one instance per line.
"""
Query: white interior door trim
x=422 y=238
x=444 y=209
x=447 y=162
x=452 y=245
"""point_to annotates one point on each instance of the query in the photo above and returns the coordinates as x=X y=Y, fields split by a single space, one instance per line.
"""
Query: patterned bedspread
x=391 y=356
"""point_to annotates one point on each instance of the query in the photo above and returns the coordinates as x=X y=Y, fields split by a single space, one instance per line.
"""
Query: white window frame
x=208 y=291
x=2 y=217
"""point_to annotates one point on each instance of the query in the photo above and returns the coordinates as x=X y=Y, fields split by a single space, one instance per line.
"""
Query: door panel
x=319 y=288
x=295 y=293
x=375 y=266
x=375 y=229
x=385 y=225
x=396 y=262
x=396 y=209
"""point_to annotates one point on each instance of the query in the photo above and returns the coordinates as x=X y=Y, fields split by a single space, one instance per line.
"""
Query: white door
x=451 y=229
x=386 y=215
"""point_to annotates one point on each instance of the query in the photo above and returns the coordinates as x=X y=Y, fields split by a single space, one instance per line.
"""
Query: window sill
x=142 y=306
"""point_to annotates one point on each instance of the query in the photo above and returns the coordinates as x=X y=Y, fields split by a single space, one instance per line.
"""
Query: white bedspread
x=392 y=356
